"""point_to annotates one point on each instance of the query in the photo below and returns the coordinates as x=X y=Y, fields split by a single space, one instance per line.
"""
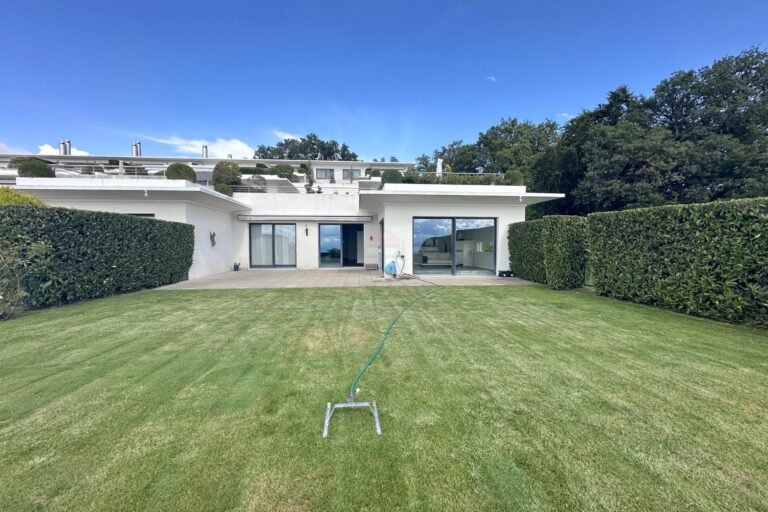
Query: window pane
x=330 y=245
x=261 y=244
x=475 y=245
x=324 y=174
x=285 y=244
x=432 y=245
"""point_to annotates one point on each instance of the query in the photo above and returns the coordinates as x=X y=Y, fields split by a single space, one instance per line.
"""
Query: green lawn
x=492 y=398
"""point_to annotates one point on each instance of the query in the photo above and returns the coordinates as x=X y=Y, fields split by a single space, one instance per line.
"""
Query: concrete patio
x=328 y=278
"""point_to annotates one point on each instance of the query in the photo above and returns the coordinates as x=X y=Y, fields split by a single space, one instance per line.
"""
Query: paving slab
x=329 y=278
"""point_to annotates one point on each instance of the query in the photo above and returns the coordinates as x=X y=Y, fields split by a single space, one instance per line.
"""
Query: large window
x=324 y=174
x=454 y=245
x=351 y=174
x=273 y=245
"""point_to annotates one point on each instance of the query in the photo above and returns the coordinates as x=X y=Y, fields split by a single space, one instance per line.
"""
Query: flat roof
x=118 y=186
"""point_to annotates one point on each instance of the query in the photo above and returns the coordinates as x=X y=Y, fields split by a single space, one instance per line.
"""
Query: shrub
x=526 y=250
x=8 y=196
x=391 y=176
x=223 y=188
x=227 y=172
x=34 y=168
x=708 y=260
x=565 y=251
x=373 y=173
x=14 y=162
x=283 y=171
x=513 y=177
x=179 y=171
x=95 y=254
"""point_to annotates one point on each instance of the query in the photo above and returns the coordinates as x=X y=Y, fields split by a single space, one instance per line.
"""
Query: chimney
x=205 y=151
x=134 y=149
x=229 y=156
x=62 y=148
x=68 y=144
x=138 y=148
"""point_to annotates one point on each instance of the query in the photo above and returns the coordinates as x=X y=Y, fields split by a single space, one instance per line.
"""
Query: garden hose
x=353 y=388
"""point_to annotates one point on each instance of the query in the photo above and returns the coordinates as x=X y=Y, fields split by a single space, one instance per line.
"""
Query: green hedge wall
x=709 y=260
x=550 y=251
x=526 y=250
x=565 y=251
x=96 y=254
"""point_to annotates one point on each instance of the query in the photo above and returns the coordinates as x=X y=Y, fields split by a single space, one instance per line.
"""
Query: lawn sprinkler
x=349 y=404
x=354 y=391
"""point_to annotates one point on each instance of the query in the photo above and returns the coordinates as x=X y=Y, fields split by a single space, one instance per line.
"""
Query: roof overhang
x=128 y=189
x=330 y=219
x=459 y=194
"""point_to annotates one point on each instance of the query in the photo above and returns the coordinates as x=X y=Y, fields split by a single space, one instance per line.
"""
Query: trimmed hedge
x=565 y=251
x=526 y=250
x=709 y=260
x=179 y=171
x=550 y=251
x=96 y=254
x=34 y=168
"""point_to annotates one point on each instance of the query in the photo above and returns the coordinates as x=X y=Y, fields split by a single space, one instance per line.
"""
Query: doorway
x=341 y=245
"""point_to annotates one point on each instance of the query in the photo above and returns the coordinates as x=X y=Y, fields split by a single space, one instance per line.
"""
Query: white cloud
x=285 y=135
x=47 y=149
x=564 y=115
x=490 y=78
x=12 y=150
x=219 y=148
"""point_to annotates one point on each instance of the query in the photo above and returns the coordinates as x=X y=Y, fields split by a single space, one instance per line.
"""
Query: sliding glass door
x=454 y=245
x=330 y=245
x=273 y=245
x=432 y=246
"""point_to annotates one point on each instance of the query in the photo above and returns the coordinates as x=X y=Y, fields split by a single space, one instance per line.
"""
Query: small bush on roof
x=34 y=168
x=223 y=188
x=179 y=171
x=227 y=172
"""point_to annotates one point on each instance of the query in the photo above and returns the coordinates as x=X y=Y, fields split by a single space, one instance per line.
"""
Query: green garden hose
x=375 y=354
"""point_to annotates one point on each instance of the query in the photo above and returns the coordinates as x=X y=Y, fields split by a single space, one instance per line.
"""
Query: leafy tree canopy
x=310 y=147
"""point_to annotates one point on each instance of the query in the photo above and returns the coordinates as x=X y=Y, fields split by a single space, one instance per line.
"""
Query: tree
x=515 y=145
x=283 y=171
x=393 y=159
x=179 y=171
x=310 y=147
x=424 y=164
x=34 y=168
x=227 y=172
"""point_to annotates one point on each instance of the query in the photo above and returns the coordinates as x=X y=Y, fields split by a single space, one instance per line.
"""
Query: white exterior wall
x=398 y=226
x=207 y=258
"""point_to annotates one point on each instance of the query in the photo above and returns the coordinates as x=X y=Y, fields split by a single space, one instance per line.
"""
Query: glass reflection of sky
x=330 y=237
x=424 y=229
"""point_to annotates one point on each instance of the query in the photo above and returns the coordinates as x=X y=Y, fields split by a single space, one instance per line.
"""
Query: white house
x=353 y=222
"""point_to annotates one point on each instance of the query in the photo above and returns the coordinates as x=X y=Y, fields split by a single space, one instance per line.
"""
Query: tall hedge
x=96 y=254
x=709 y=260
x=526 y=250
x=565 y=251
x=550 y=251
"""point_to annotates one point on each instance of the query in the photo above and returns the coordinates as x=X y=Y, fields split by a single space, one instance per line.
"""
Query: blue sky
x=389 y=78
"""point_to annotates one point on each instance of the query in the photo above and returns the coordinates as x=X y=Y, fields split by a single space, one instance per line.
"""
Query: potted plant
x=237 y=266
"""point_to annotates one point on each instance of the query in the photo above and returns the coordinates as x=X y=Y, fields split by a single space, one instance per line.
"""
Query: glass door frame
x=273 y=224
x=453 y=239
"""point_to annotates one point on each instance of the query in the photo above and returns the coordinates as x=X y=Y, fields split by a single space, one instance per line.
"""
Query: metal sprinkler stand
x=347 y=405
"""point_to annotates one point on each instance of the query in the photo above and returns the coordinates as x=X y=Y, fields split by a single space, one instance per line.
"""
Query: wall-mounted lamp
x=306 y=229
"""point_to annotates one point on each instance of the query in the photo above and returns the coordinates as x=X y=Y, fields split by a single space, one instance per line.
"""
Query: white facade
x=359 y=216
